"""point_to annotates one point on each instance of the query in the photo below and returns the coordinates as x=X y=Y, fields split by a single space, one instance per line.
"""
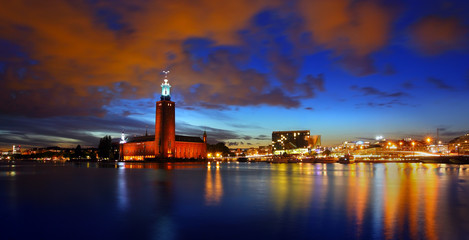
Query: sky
x=72 y=72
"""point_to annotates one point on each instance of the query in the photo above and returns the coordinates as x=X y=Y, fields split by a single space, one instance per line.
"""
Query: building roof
x=142 y=138
x=181 y=138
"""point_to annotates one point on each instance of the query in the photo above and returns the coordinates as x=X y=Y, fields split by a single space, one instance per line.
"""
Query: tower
x=165 y=122
x=205 y=136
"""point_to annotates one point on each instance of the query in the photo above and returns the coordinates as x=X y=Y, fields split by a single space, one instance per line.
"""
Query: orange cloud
x=358 y=27
x=352 y=29
x=76 y=52
x=434 y=35
x=79 y=55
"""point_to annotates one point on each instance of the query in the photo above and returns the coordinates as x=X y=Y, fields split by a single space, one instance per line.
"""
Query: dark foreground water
x=234 y=201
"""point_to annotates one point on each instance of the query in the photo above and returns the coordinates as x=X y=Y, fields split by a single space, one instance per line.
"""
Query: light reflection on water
x=213 y=186
x=235 y=200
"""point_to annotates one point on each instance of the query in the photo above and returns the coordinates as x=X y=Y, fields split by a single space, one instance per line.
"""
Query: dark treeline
x=218 y=148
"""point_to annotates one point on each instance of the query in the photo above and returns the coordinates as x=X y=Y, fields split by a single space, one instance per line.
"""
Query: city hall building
x=165 y=143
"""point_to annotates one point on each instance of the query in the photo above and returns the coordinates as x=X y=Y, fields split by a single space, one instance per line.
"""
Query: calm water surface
x=234 y=201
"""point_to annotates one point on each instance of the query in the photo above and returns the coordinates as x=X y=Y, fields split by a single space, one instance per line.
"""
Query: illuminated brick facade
x=165 y=128
x=165 y=143
x=190 y=147
x=138 y=150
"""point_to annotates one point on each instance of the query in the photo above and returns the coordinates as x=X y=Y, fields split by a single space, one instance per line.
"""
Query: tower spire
x=165 y=88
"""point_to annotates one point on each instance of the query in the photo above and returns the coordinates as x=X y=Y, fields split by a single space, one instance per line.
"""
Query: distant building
x=237 y=152
x=459 y=145
x=294 y=142
x=265 y=150
x=165 y=143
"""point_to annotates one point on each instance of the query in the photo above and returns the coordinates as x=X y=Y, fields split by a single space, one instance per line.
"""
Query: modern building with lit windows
x=165 y=143
x=294 y=142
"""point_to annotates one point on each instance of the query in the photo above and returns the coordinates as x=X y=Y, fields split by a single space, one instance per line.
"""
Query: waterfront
x=234 y=201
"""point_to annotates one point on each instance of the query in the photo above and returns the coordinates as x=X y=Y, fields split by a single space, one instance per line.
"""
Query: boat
x=243 y=159
x=346 y=159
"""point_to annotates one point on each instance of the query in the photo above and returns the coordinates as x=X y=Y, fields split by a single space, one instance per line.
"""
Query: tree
x=105 y=146
x=327 y=152
x=78 y=153
x=218 y=148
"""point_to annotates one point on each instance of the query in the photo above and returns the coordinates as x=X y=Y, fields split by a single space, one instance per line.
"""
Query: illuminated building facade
x=165 y=143
x=294 y=142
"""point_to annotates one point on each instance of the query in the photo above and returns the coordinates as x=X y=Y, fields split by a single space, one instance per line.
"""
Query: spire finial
x=166 y=74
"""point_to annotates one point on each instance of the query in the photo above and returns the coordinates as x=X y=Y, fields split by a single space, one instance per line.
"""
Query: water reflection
x=430 y=199
x=122 y=195
x=213 y=185
x=291 y=189
x=390 y=201
x=258 y=200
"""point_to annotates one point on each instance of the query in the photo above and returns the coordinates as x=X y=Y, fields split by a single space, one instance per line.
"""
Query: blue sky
x=72 y=72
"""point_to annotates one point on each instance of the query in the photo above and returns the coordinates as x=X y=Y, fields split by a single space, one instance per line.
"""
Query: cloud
x=219 y=83
x=379 y=96
x=73 y=130
x=96 y=52
x=371 y=91
x=314 y=83
x=407 y=85
x=210 y=45
x=389 y=70
x=434 y=34
x=263 y=137
x=361 y=27
x=247 y=137
x=448 y=133
x=439 y=83
x=214 y=135
x=126 y=113
x=352 y=29
x=388 y=104
x=358 y=65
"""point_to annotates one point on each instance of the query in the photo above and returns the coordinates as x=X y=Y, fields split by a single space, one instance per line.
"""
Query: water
x=234 y=201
